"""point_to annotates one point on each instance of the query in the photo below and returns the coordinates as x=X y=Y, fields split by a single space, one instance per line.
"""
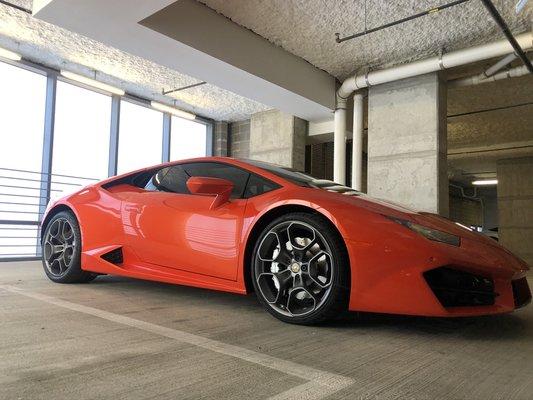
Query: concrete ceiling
x=307 y=28
x=189 y=37
x=56 y=47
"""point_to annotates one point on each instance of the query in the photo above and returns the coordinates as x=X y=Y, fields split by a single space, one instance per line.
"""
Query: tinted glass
x=174 y=179
x=288 y=174
x=239 y=177
x=257 y=185
x=169 y=179
x=301 y=179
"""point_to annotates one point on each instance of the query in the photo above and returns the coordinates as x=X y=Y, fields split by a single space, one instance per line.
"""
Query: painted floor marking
x=319 y=383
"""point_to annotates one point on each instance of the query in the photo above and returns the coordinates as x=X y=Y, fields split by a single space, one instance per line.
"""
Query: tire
x=300 y=269
x=61 y=249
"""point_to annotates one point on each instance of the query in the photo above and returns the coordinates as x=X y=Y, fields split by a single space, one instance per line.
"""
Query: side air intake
x=114 y=256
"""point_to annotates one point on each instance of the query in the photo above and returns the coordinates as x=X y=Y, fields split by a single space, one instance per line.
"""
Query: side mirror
x=220 y=188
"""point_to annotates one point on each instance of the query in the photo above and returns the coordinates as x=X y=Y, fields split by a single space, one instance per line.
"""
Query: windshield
x=302 y=179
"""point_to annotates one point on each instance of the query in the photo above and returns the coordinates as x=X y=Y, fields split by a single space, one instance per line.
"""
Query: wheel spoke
x=284 y=258
x=284 y=278
x=319 y=267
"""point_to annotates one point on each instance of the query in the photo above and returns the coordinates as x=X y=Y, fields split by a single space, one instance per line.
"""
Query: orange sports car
x=309 y=248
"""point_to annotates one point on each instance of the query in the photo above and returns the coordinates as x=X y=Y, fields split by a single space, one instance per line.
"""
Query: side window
x=238 y=176
x=170 y=179
x=174 y=179
x=257 y=185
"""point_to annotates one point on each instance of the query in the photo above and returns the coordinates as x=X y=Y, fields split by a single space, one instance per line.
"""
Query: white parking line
x=320 y=383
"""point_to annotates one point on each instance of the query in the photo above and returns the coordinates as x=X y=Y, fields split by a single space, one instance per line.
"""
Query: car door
x=167 y=226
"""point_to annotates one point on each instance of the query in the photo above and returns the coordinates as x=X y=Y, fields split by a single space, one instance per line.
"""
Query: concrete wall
x=278 y=138
x=320 y=163
x=220 y=147
x=239 y=139
x=515 y=206
x=407 y=143
x=466 y=211
x=490 y=212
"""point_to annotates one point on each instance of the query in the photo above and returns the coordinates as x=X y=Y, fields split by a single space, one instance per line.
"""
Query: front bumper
x=404 y=275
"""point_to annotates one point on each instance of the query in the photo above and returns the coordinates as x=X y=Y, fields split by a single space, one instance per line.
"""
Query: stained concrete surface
x=49 y=351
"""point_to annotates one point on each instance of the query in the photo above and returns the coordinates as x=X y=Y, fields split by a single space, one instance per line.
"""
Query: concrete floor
x=125 y=339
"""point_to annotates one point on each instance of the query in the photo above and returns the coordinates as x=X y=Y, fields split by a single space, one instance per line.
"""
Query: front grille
x=521 y=292
x=456 y=288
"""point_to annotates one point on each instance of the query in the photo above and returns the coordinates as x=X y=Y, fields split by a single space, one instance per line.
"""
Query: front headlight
x=429 y=233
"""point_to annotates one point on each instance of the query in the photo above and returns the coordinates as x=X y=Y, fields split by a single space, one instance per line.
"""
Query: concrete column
x=278 y=138
x=221 y=139
x=239 y=139
x=515 y=206
x=407 y=143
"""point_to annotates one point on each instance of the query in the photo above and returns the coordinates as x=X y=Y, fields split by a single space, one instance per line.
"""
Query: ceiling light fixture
x=10 y=55
x=485 y=182
x=172 y=110
x=91 y=82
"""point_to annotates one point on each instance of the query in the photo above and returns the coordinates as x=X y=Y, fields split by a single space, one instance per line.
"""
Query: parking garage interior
x=425 y=104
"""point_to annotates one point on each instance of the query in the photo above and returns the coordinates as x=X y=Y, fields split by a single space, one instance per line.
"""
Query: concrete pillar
x=221 y=139
x=239 y=139
x=407 y=143
x=278 y=138
x=515 y=206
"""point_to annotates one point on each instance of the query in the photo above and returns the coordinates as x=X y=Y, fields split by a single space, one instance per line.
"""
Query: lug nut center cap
x=295 y=267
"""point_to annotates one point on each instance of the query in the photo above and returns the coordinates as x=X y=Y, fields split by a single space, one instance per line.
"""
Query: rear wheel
x=300 y=269
x=61 y=249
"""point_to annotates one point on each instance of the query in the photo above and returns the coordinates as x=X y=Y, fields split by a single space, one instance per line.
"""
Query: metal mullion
x=210 y=139
x=167 y=126
x=114 y=136
x=48 y=147
x=48 y=140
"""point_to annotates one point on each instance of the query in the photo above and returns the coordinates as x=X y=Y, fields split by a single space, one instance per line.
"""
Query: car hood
x=430 y=220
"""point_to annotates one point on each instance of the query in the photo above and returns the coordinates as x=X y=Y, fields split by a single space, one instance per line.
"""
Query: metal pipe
x=481 y=78
x=433 y=10
x=508 y=59
x=453 y=59
x=449 y=60
x=357 y=142
x=505 y=29
x=339 y=143
x=16 y=6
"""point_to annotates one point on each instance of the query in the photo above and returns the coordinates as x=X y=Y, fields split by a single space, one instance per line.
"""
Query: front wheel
x=300 y=269
x=61 y=248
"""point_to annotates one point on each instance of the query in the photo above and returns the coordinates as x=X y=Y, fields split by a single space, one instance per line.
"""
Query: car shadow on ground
x=491 y=327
